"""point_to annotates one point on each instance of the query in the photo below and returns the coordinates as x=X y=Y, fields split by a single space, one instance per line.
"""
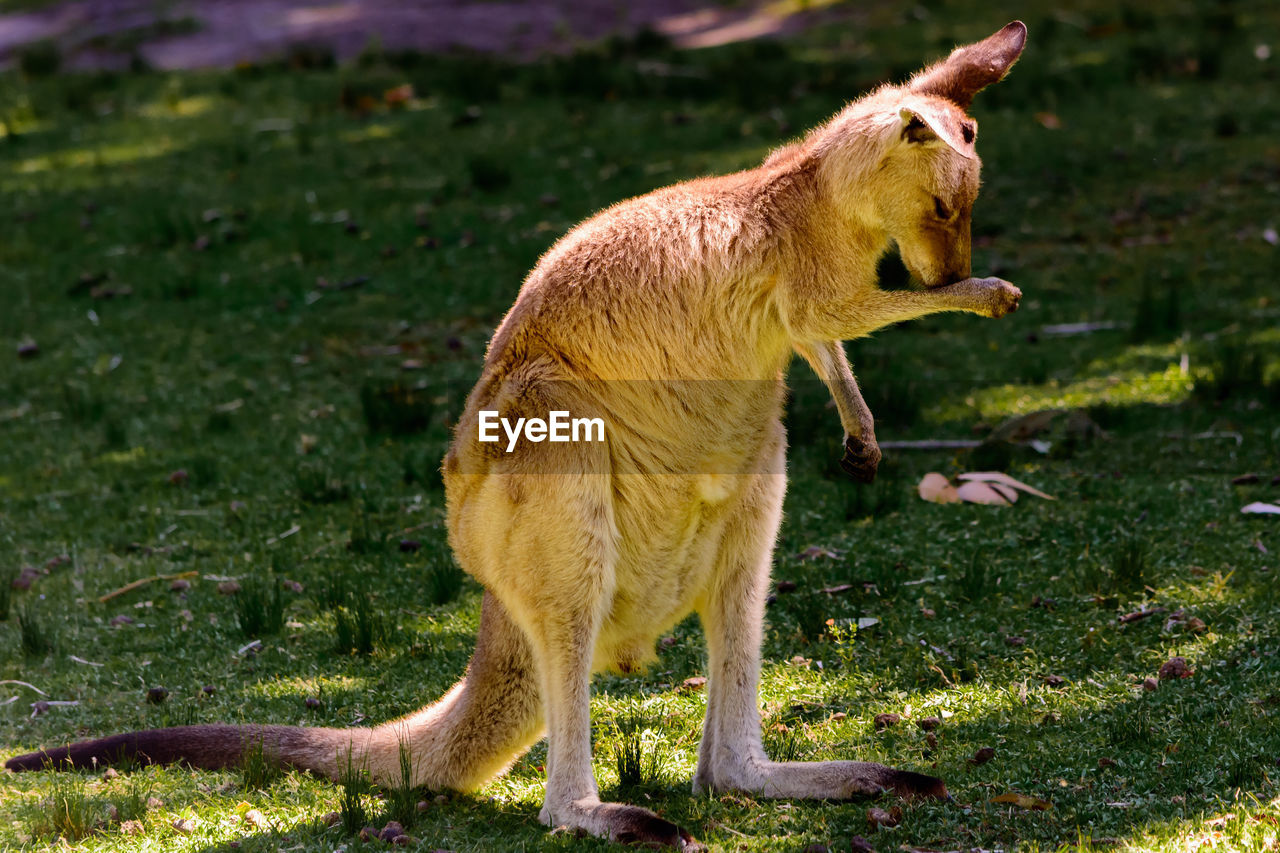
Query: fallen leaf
x=815 y=552
x=982 y=756
x=858 y=844
x=879 y=817
x=977 y=492
x=1175 y=667
x=1023 y=801
x=884 y=721
x=938 y=489
x=1140 y=614
x=1007 y=492
x=1260 y=508
x=1049 y=121
x=1004 y=479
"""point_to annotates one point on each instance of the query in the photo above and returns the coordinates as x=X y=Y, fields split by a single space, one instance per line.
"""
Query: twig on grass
x=131 y=586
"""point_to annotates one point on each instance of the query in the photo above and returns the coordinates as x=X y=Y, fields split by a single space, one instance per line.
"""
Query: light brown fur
x=673 y=317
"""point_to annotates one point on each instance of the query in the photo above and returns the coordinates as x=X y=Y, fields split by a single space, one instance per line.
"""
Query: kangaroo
x=671 y=317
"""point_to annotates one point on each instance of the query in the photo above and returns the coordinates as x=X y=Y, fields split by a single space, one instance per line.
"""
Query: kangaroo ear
x=921 y=126
x=972 y=68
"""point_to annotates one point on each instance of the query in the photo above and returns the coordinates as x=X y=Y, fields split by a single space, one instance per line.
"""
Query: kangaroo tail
x=211 y=747
x=476 y=731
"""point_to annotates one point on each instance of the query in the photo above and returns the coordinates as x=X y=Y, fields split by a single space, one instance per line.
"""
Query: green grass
x=235 y=276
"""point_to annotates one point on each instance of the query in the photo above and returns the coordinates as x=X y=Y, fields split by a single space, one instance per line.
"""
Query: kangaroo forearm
x=874 y=309
x=828 y=360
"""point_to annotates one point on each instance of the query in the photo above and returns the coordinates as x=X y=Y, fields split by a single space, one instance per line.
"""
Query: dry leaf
x=1007 y=492
x=1260 y=508
x=1023 y=801
x=884 y=721
x=879 y=817
x=1175 y=668
x=937 y=488
x=982 y=756
x=1005 y=479
x=976 y=492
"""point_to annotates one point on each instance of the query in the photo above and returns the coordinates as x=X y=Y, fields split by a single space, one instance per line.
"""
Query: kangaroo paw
x=623 y=824
x=861 y=459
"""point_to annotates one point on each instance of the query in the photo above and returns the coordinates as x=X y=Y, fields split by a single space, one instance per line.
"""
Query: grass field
x=240 y=308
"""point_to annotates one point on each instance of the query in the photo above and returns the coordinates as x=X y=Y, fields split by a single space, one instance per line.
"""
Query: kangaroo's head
x=902 y=160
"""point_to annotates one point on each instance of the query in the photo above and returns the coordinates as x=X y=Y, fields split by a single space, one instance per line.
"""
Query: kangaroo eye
x=941 y=209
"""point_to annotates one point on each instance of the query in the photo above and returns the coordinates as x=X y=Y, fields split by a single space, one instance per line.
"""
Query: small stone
x=838 y=716
x=255 y=818
x=154 y=803
x=229 y=587
x=403 y=840
x=28 y=348
x=668 y=642
x=928 y=613
x=237 y=507
x=368 y=833
x=312 y=702
x=292 y=586
x=1149 y=684
x=1175 y=667
x=25 y=578
x=1015 y=641
x=1106 y=762
x=39 y=708
x=786 y=586
x=423 y=805
x=185 y=825
x=391 y=831
x=180 y=585
x=982 y=756
x=884 y=721
x=131 y=827
x=408 y=546
x=1245 y=480
x=179 y=477
x=331 y=819
x=932 y=740
x=441 y=799
x=929 y=723
x=157 y=695
x=201 y=243
x=858 y=844
x=548 y=199
x=816 y=848
x=696 y=682
x=117 y=621
x=1196 y=625
x=1055 y=680
x=208 y=690
x=109 y=774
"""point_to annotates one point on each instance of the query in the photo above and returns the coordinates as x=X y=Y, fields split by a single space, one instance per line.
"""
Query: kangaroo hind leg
x=731 y=756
